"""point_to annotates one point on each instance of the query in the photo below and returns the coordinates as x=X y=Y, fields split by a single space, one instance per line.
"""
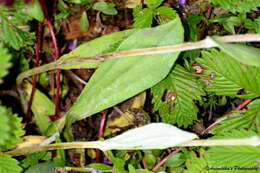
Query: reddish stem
x=56 y=56
x=241 y=106
x=38 y=48
x=100 y=132
x=163 y=160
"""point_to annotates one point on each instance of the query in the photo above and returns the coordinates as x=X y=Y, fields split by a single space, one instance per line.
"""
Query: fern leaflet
x=231 y=156
x=182 y=90
x=4 y=62
x=251 y=118
x=225 y=76
x=8 y=164
x=11 y=129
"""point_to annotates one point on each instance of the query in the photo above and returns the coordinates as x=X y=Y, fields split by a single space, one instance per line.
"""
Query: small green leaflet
x=42 y=168
x=41 y=113
x=4 y=62
x=106 y=8
x=84 y=23
x=34 y=10
x=244 y=54
x=182 y=89
x=119 y=79
x=9 y=164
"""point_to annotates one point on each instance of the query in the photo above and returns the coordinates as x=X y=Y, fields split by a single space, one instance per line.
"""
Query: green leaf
x=166 y=14
x=42 y=107
x=100 y=166
x=84 y=23
x=196 y=164
x=152 y=4
x=143 y=18
x=4 y=62
x=225 y=76
x=10 y=130
x=9 y=164
x=33 y=159
x=182 y=89
x=119 y=79
x=244 y=54
x=231 y=156
x=131 y=169
x=104 y=44
x=42 y=168
x=246 y=120
x=34 y=10
x=237 y=5
x=106 y=8
x=175 y=160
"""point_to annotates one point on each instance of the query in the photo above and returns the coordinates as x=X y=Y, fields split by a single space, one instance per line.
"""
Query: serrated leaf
x=225 y=76
x=119 y=79
x=181 y=90
x=244 y=54
x=165 y=14
x=42 y=168
x=11 y=129
x=245 y=120
x=143 y=18
x=9 y=164
x=4 y=62
x=106 y=8
x=151 y=136
x=34 y=158
x=231 y=156
x=84 y=23
x=42 y=108
x=104 y=44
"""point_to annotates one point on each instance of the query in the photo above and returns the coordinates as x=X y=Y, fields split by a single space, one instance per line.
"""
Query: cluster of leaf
x=143 y=17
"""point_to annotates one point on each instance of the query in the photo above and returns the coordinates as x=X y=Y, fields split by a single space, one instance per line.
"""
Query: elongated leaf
x=104 y=44
x=151 y=136
x=244 y=54
x=119 y=79
x=225 y=76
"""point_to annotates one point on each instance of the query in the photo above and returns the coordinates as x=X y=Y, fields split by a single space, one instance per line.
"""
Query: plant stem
x=38 y=48
x=162 y=161
x=253 y=141
x=62 y=64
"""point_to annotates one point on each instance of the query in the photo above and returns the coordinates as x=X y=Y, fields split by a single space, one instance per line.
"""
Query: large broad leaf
x=104 y=44
x=244 y=54
x=119 y=79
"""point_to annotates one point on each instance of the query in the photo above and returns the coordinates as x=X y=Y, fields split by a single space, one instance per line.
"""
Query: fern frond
x=9 y=164
x=11 y=129
x=4 y=62
x=247 y=120
x=240 y=6
x=225 y=76
x=182 y=90
x=231 y=156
